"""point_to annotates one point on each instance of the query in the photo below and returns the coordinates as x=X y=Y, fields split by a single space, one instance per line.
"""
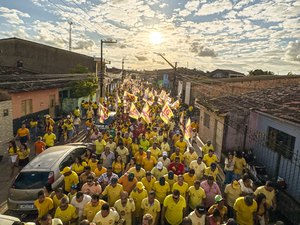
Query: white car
x=8 y=220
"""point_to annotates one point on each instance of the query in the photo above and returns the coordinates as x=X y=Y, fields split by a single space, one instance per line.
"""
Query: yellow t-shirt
x=56 y=201
x=175 y=138
x=49 y=139
x=89 y=211
x=78 y=168
x=118 y=167
x=98 y=172
x=23 y=154
x=171 y=182
x=148 y=164
x=214 y=173
x=125 y=212
x=188 y=157
x=33 y=124
x=174 y=211
x=144 y=144
x=182 y=189
x=209 y=160
x=11 y=151
x=70 y=180
x=173 y=156
x=92 y=164
x=134 y=148
x=153 y=209
x=112 y=218
x=66 y=215
x=269 y=195
x=137 y=198
x=22 y=132
x=222 y=211
x=206 y=148
x=161 y=191
x=188 y=179
x=44 y=207
x=232 y=194
x=196 y=196
x=138 y=174
x=148 y=185
x=113 y=193
x=244 y=213
x=181 y=145
x=239 y=164
x=165 y=147
x=155 y=152
x=100 y=145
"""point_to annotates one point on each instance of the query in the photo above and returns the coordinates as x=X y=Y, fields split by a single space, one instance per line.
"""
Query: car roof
x=8 y=220
x=49 y=157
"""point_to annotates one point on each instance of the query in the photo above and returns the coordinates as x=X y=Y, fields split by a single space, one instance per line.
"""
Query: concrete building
x=40 y=58
x=220 y=73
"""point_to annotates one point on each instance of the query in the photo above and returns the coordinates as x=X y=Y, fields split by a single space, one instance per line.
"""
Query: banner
x=166 y=114
x=181 y=122
x=133 y=112
x=145 y=114
x=188 y=130
x=187 y=93
x=175 y=105
x=103 y=113
x=130 y=97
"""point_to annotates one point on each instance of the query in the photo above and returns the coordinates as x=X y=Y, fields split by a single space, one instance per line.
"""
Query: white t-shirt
x=80 y=205
x=246 y=189
x=196 y=220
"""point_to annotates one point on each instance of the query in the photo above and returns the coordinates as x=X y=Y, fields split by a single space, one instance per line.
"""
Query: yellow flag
x=175 y=105
x=166 y=114
x=145 y=114
x=133 y=112
x=188 y=130
x=103 y=113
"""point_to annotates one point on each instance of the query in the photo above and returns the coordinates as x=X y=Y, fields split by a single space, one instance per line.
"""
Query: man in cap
x=232 y=192
x=125 y=207
x=128 y=181
x=212 y=170
x=208 y=146
x=138 y=194
x=70 y=178
x=199 y=167
x=171 y=178
x=198 y=216
x=164 y=159
x=151 y=206
x=159 y=170
x=219 y=205
x=113 y=191
x=245 y=209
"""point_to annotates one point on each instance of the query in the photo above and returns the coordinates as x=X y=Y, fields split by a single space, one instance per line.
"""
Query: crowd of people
x=143 y=172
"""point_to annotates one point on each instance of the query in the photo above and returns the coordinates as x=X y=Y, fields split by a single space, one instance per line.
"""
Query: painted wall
x=40 y=101
x=256 y=139
x=6 y=125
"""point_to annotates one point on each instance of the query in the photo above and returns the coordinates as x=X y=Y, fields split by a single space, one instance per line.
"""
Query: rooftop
x=281 y=102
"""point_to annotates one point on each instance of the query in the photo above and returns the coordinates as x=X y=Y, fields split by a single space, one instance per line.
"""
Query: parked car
x=44 y=168
x=8 y=220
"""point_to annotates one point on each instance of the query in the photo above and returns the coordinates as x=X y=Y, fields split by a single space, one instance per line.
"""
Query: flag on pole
x=166 y=114
x=133 y=112
x=175 y=105
x=145 y=114
x=103 y=113
x=181 y=122
x=188 y=130
x=130 y=97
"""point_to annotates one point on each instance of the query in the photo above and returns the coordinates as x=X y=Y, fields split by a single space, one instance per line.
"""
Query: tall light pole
x=123 y=71
x=174 y=68
x=101 y=74
x=70 y=35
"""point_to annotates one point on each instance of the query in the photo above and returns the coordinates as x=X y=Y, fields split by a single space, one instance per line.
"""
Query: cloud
x=292 y=52
x=13 y=16
x=202 y=51
x=141 y=58
x=88 y=44
x=217 y=6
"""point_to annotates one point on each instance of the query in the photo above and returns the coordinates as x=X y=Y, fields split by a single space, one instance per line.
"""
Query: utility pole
x=70 y=35
x=123 y=71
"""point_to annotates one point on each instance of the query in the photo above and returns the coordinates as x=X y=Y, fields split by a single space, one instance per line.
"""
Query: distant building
x=40 y=58
x=219 y=73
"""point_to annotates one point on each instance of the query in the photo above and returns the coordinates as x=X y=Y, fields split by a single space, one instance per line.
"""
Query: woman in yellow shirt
x=118 y=166
x=78 y=165
x=13 y=155
x=23 y=156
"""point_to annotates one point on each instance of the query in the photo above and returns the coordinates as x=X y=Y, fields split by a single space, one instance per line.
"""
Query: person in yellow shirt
x=199 y=167
x=151 y=206
x=181 y=144
x=196 y=195
x=58 y=195
x=171 y=178
x=140 y=155
x=220 y=207
x=181 y=186
x=148 y=181
x=144 y=143
x=212 y=171
x=113 y=191
x=43 y=204
x=245 y=208
x=176 y=137
x=138 y=194
x=92 y=162
x=159 y=170
x=106 y=216
x=111 y=144
x=118 y=166
x=269 y=191
x=190 y=177
x=189 y=156
x=208 y=146
x=66 y=212
x=49 y=139
x=125 y=207
x=134 y=147
x=162 y=189
x=100 y=145
x=127 y=140
x=78 y=165
x=149 y=162
x=239 y=165
x=91 y=208
x=70 y=178
x=100 y=169
x=210 y=158
x=155 y=151
x=173 y=209
x=165 y=147
x=77 y=112
x=23 y=134
x=232 y=192
x=177 y=153
x=23 y=156
x=138 y=172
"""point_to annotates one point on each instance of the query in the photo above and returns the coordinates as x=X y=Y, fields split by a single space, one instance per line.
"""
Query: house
x=6 y=121
x=220 y=73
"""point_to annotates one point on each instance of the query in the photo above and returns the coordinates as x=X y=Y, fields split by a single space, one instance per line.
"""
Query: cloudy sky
x=205 y=34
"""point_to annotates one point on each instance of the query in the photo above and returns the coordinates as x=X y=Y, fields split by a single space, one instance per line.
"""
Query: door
x=52 y=105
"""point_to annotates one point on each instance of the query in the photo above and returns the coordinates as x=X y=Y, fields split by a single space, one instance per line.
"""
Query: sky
x=241 y=35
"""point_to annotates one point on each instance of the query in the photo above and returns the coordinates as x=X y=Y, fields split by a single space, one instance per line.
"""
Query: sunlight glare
x=155 y=38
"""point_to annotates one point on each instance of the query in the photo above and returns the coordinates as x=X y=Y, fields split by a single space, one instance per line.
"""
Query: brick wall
x=6 y=125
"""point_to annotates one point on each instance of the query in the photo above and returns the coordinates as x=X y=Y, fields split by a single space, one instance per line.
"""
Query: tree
x=259 y=72
x=86 y=87
x=291 y=74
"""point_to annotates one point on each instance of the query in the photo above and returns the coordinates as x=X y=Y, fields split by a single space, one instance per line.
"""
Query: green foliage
x=79 y=69
x=86 y=87
x=258 y=72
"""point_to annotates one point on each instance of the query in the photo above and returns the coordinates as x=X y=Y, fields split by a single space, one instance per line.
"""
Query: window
x=5 y=112
x=26 y=107
x=206 y=120
x=281 y=142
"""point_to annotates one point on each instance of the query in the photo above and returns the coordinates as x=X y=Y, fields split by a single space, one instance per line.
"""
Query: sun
x=155 y=38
